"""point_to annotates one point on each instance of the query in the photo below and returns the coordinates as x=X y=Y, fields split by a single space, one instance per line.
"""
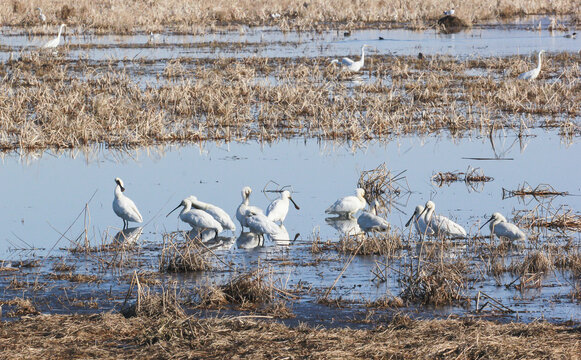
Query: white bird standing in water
x=369 y=221
x=348 y=205
x=217 y=213
x=352 y=65
x=41 y=16
x=534 y=73
x=124 y=207
x=241 y=211
x=420 y=222
x=56 y=41
x=278 y=209
x=449 y=12
x=441 y=225
x=259 y=224
x=503 y=229
x=198 y=219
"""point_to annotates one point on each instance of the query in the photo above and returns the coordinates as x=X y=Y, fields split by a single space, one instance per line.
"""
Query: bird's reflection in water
x=248 y=240
x=282 y=238
x=345 y=225
x=128 y=236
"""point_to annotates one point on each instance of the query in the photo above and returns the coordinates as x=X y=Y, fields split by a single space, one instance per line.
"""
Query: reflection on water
x=129 y=236
x=344 y=225
x=248 y=240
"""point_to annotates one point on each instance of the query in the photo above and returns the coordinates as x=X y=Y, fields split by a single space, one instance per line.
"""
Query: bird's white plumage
x=348 y=205
x=419 y=220
x=124 y=207
x=449 y=12
x=534 y=73
x=241 y=211
x=441 y=225
x=352 y=65
x=500 y=227
x=41 y=16
x=217 y=213
x=56 y=41
x=258 y=223
x=198 y=219
x=370 y=221
x=278 y=209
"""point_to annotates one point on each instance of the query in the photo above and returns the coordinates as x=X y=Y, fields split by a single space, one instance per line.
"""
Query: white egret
x=534 y=73
x=503 y=229
x=217 y=213
x=441 y=225
x=352 y=65
x=124 y=207
x=198 y=219
x=420 y=222
x=41 y=16
x=56 y=41
x=449 y=12
x=259 y=224
x=348 y=205
x=241 y=211
x=278 y=209
x=369 y=221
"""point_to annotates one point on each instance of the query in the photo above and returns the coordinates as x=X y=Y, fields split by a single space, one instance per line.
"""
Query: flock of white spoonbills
x=205 y=217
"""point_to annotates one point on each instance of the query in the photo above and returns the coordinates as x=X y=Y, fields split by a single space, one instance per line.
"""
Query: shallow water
x=43 y=196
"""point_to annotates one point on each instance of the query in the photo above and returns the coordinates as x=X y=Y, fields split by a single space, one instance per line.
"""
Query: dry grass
x=179 y=256
x=471 y=175
x=186 y=16
x=541 y=190
x=546 y=216
x=111 y=336
x=75 y=277
x=381 y=185
x=375 y=244
x=19 y=307
x=48 y=103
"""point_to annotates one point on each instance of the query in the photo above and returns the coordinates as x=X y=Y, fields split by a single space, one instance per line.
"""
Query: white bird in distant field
x=441 y=225
x=56 y=41
x=198 y=219
x=278 y=209
x=259 y=224
x=348 y=205
x=41 y=16
x=503 y=229
x=534 y=73
x=217 y=213
x=420 y=222
x=352 y=65
x=571 y=36
x=124 y=207
x=449 y=12
x=369 y=221
x=241 y=211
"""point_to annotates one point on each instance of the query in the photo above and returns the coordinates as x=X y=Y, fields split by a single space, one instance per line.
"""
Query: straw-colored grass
x=182 y=15
x=111 y=336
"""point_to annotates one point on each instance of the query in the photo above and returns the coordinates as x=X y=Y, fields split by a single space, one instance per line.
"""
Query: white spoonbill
x=352 y=65
x=369 y=221
x=41 y=16
x=217 y=213
x=124 y=207
x=241 y=211
x=420 y=222
x=534 y=73
x=278 y=209
x=198 y=219
x=348 y=205
x=503 y=229
x=56 y=41
x=259 y=224
x=441 y=225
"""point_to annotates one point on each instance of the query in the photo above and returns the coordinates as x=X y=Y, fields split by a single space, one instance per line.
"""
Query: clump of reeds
x=541 y=190
x=63 y=266
x=386 y=302
x=155 y=304
x=535 y=262
x=437 y=284
x=375 y=244
x=545 y=216
x=189 y=256
x=471 y=175
x=76 y=277
x=571 y=261
x=380 y=184
x=21 y=306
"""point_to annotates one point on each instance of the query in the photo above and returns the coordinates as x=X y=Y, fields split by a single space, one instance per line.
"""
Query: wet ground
x=52 y=202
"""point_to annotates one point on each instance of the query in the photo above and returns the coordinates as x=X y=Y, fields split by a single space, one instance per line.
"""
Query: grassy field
x=193 y=16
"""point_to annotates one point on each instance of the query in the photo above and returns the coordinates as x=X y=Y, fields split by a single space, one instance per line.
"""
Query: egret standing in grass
x=352 y=65
x=124 y=207
x=441 y=225
x=217 y=213
x=370 y=221
x=534 y=73
x=41 y=16
x=278 y=209
x=420 y=222
x=348 y=205
x=56 y=41
x=198 y=219
x=245 y=205
x=259 y=224
x=503 y=229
